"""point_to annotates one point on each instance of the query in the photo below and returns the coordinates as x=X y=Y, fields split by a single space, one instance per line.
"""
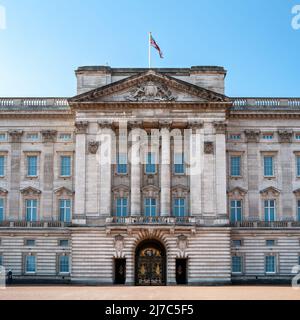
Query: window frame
x=151 y=164
x=26 y=200
x=64 y=255
x=241 y=264
x=275 y=264
x=61 y=175
x=179 y=207
x=267 y=176
x=236 y=208
x=2 y=176
x=3 y=199
x=27 y=255
x=182 y=165
x=269 y=208
x=150 y=206
x=238 y=156
x=118 y=164
x=65 y=208
x=28 y=174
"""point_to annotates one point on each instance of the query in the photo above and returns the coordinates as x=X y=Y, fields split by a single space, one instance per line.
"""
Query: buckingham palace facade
x=150 y=177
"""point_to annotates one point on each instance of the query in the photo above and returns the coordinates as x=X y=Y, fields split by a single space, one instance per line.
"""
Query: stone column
x=14 y=192
x=80 y=172
x=136 y=165
x=165 y=173
x=106 y=158
x=221 y=172
x=49 y=137
x=196 y=167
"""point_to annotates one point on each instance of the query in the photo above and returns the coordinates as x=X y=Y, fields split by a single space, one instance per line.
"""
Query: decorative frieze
x=285 y=136
x=49 y=135
x=252 y=135
x=93 y=146
x=208 y=147
x=16 y=135
x=81 y=127
x=220 y=127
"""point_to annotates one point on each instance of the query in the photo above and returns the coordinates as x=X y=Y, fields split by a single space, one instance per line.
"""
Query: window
x=1 y=260
x=236 y=210
x=65 y=166
x=236 y=264
x=235 y=137
x=122 y=163
x=2 y=211
x=268 y=166
x=2 y=166
x=65 y=137
x=122 y=206
x=270 y=243
x=298 y=209
x=3 y=137
x=179 y=207
x=179 y=163
x=30 y=243
x=64 y=243
x=268 y=136
x=30 y=264
x=270 y=210
x=298 y=165
x=235 y=166
x=65 y=210
x=31 y=210
x=32 y=136
x=64 y=264
x=150 y=163
x=32 y=166
x=297 y=136
x=270 y=264
x=150 y=207
x=237 y=243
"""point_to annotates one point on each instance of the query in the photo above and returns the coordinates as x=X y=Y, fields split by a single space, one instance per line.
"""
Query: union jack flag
x=156 y=46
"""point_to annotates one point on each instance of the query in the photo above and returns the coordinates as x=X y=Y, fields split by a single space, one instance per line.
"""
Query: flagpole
x=149 y=50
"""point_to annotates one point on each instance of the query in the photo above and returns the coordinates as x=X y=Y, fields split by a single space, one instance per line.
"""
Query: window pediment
x=237 y=192
x=121 y=191
x=63 y=191
x=270 y=192
x=180 y=191
x=3 y=192
x=150 y=191
x=30 y=191
x=297 y=192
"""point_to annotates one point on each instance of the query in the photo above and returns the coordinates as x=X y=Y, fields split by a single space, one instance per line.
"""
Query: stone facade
x=176 y=111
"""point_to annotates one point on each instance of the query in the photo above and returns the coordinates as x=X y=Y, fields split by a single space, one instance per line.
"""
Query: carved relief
x=150 y=91
x=285 y=136
x=119 y=245
x=252 y=135
x=49 y=135
x=30 y=191
x=208 y=147
x=16 y=135
x=180 y=191
x=93 y=146
x=197 y=124
x=63 y=191
x=105 y=124
x=81 y=127
x=270 y=192
x=182 y=243
x=237 y=193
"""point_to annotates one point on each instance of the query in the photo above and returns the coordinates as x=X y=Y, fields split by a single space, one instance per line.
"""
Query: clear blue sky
x=46 y=40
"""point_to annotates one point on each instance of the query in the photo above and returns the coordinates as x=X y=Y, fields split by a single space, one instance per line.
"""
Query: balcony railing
x=34 y=224
x=33 y=102
x=266 y=224
x=266 y=102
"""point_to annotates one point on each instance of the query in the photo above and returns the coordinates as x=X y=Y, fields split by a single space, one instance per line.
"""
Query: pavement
x=150 y=293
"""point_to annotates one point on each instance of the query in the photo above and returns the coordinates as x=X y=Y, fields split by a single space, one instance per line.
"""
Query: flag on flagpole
x=156 y=46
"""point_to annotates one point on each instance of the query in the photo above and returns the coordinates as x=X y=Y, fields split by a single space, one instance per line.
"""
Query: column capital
x=165 y=124
x=195 y=124
x=105 y=124
x=135 y=124
x=49 y=135
x=220 y=127
x=285 y=136
x=81 y=127
x=252 y=135
x=16 y=135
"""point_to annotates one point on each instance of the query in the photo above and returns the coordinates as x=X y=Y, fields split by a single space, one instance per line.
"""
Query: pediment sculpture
x=151 y=91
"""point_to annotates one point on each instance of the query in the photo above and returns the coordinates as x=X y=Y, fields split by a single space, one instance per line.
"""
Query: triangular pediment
x=150 y=86
x=30 y=191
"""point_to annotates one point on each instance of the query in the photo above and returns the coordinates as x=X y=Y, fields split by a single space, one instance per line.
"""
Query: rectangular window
x=65 y=137
x=268 y=166
x=64 y=243
x=32 y=136
x=237 y=243
x=32 y=166
x=65 y=166
x=235 y=166
x=298 y=166
x=179 y=163
x=270 y=264
x=270 y=210
x=150 y=163
x=236 y=264
x=150 y=207
x=2 y=211
x=298 y=209
x=235 y=137
x=297 y=136
x=2 y=166
x=64 y=264
x=65 y=210
x=122 y=163
x=179 y=207
x=236 y=210
x=269 y=136
x=3 y=137
x=31 y=210
x=122 y=207
x=30 y=264
x=30 y=243
x=1 y=260
x=270 y=243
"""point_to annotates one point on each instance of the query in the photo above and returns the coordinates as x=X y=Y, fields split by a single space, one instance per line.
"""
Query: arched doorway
x=150 y=264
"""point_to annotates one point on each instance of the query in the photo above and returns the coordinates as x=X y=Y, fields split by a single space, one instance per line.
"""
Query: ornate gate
x=150 y=264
